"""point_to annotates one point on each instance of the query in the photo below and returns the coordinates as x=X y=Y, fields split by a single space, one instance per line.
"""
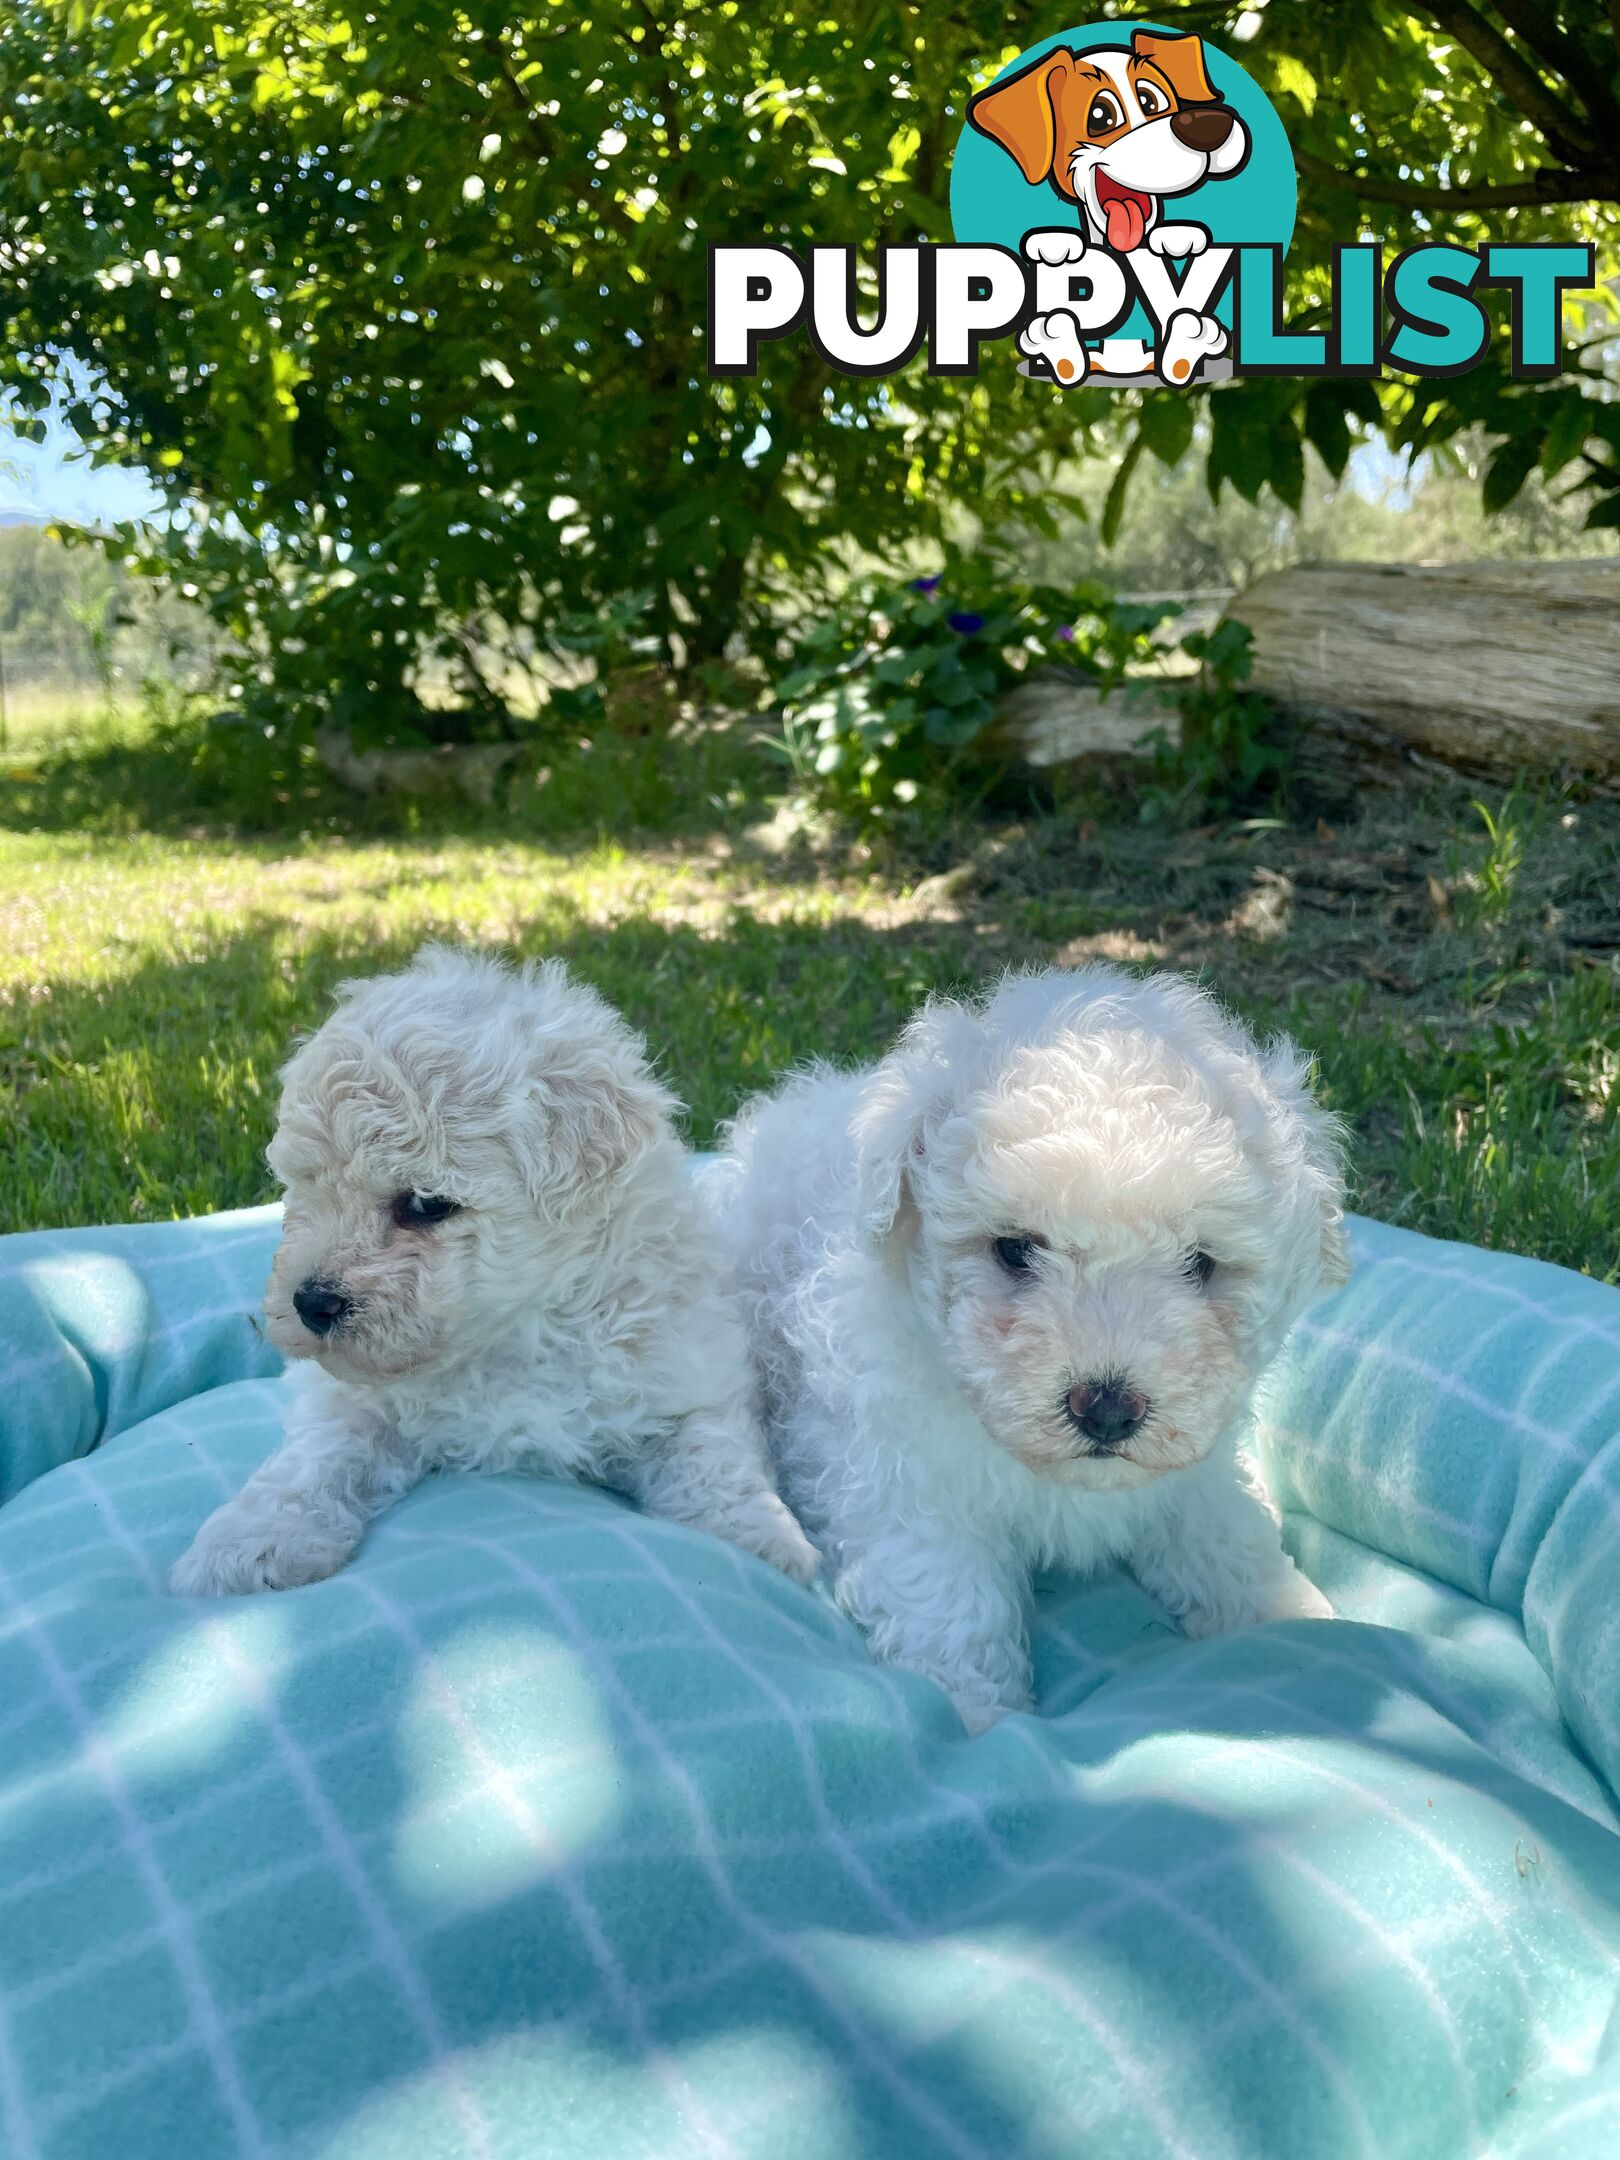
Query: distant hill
x=22 y=517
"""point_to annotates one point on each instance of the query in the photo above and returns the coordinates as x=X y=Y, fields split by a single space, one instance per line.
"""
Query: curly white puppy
x=1010 y=1292
x=493 y=1258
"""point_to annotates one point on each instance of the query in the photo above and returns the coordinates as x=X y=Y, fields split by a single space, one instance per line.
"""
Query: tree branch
x=1547 y=184
x=483 y=690
x=1565 y=132
x=548 y=145
x=1565 y=54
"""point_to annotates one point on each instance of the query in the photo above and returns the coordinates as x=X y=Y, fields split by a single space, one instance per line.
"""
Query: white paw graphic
x=1178 y=240
x=1055 y=339
x=1056 y=244
x=1189 y=339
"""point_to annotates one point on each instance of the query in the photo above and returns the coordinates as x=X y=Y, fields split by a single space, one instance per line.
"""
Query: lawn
x=1459 y=986
x=38 y=718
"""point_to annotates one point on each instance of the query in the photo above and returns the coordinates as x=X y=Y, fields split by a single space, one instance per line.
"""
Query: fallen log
x=1057 y=717
x=1486 y=667
x=470 y=769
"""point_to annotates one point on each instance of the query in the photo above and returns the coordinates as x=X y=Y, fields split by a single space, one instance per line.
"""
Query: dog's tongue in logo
x=1126 y=210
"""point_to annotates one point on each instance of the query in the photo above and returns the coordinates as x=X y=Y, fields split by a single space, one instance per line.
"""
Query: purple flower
x=925 y=584
x=1066 y=633
x=965 y=625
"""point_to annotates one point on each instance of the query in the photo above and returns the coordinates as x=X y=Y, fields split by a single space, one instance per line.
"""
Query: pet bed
x=549 y=1830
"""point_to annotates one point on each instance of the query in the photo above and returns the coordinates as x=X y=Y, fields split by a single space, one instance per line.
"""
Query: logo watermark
x=1123 y=198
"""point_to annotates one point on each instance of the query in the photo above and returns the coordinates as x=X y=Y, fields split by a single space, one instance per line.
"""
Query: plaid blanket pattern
x=549 y=1830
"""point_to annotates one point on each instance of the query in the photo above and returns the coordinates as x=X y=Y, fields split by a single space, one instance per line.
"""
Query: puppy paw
x=1298 y=1599
x=979 y=1712
x=981 y=1699
x=771 y=1532
x=1055 y=244
x=1189 y=340
x=1294 y=1598
x=1177 y=240
x=233 y=1558
x=1053 y=342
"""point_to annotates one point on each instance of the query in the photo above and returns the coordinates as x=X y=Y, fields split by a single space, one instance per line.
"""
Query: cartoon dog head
x=1114 y=131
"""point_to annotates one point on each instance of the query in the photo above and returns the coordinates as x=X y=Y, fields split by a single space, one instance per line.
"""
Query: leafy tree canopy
x=404 y=309
x=1449 y=121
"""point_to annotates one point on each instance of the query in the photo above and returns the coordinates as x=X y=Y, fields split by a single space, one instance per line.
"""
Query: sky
x=43 y=480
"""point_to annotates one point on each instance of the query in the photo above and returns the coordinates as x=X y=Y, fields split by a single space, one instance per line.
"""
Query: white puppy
x=1010 y=1292
x=492 y=1259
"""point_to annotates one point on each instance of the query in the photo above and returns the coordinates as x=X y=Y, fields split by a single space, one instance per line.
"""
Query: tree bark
x=1484 y=666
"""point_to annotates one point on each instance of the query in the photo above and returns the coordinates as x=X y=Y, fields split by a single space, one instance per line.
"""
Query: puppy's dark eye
x=1151 y=99
x=1016 y=1254
x=1199 y=1268
x=1104 y=114
x=420 y=1211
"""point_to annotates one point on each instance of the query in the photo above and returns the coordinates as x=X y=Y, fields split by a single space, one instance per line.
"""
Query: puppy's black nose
x=319 y=1305
x=1202 y=127
x=1106 y=1412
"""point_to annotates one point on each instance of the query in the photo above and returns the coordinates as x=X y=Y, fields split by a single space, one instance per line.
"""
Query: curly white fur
x=569 y=1316
x=918 y=1388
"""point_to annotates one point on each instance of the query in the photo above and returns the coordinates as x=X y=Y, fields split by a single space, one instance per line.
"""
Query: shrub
x=895 y=687
x=1232 y=750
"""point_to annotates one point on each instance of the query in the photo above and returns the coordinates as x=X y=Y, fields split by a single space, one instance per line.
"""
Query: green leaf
x=1228 y=650
x=950 y=685
x=1509 y=469
x=1567 y=432
x=1165 y=424
x=1288 y=464
x=1114 y=506
x=1240 y=446
x=1294 y=79
x=793 y=686
x=1326 y=428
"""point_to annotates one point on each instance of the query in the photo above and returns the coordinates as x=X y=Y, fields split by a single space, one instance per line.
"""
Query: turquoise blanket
x=546 y=1830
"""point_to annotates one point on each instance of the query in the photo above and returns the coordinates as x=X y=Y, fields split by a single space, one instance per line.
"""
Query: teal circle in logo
x=1125 y=109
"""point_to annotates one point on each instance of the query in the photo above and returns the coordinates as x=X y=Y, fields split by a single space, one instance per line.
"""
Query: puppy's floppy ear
x=903 y=1101
x=596 y=1114
x=588 y=1106
x=1312 y=1144
x=1021 y=113
x=888 y=1143
x=1180 y=60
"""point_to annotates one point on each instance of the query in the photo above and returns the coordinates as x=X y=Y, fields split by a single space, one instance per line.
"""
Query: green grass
x=41 y=718
x=1458 y=986
x=1505 y=1134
